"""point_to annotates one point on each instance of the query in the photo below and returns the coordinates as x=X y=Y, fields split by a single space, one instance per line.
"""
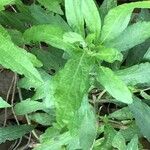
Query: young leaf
x=114 y=85
x=107 y=54
x=28 y=106
x=52 y=5
x=50 y=34
x=138 y=74
x=14 y=132
x=118 y=18
x=133 y=145
x=3 y=104
x=17 y=59
x=92 y=17
x=119 y=142
x=133 y=35
x=141 y=113
x=70 y=85
x=74 y=15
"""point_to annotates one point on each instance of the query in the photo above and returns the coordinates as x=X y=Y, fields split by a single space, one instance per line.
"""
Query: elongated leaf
x=28 y=106
x=131 y=36
x=52 y=5
x=85 y=122
x=71 y=83
x=17 y=59
x=141 y=113
x=14 y=132
x=3 y=104
x=92 y=17
x=119 y=142
x=106 y=6
x=50 y=34
x=114 y=85
x=138 y=74
x=74 y=15
x=118 y=18
x=133 y=145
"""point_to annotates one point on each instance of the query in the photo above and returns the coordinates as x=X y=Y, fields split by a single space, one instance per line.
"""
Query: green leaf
x=133 y=35
x=17 y=59
x=73 y=10
x=85 y=120
x=73 y=37
x=3 y=104
x=50 y=34
x=42 y=118
x=106 y=6
x=119 y=142
x=71 y=83
x=5 y=2
x=55 y=143
x=138 y=74
x=28 y=106
x=114 y=85
x=14 y=132
x=118 y=18
x=106 y=54
x=141 y=113
x=133 y=145
x=92 y=17
x=122 y=114
x=52 y=5
x=147 y=55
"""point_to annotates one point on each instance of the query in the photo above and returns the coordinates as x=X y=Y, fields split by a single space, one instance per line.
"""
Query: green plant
x=89 y=48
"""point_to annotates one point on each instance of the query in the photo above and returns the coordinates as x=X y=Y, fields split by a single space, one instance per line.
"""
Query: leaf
x=11 y=58
x=5 y=2
x=42 y=118
x=74 y=15
x=122 y=114
x=141 y=113
x=92 y=20
x=14 y=132
x=50 y=34
x=118 y=18
x=73 y=37
x=106 y=6
x=85 y=122
x=70 y=85
x=138 y=74
x=56 y=143
x=147 y=55
x=28 y=106
x=133 y=35
x=109 y=134
x=3 y=104
x=133 y=144
x=107 y=54
x=52 y=5
x=119 y=142
x=114 y=85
